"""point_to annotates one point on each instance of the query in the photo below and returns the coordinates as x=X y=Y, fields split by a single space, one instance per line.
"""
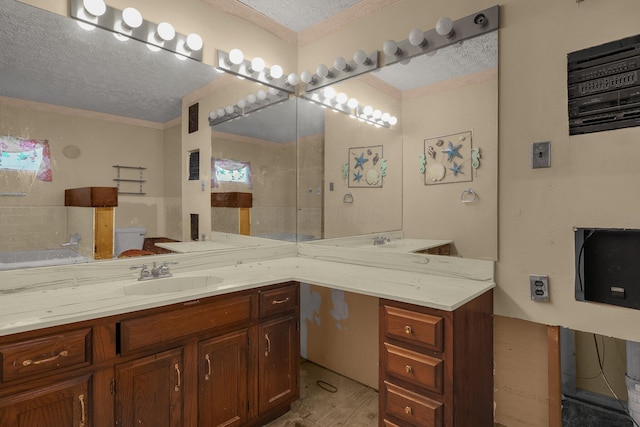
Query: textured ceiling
x=298 y=15
x=48 y=58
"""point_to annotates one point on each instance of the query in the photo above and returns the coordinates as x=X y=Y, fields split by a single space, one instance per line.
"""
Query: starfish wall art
x=448 y=158
x=367 y=167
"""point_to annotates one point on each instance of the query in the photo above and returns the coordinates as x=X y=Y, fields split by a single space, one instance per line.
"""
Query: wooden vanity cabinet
x=228 y=360
x=436 y=367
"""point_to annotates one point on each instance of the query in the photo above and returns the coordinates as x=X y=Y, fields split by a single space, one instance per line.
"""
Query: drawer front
x=414 y=328
x=412 y=408
x=45 y=354
x=278 y=300
x=418 y=369
x=155 y=329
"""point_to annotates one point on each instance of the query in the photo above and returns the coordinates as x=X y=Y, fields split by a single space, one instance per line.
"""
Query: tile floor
x=328 y=399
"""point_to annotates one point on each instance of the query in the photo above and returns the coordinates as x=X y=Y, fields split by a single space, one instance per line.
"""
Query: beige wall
x=103 y=141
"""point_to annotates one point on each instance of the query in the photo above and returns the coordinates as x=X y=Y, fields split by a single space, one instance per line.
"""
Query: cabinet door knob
x=409 y=369
x=407 y=330
x=408 y=410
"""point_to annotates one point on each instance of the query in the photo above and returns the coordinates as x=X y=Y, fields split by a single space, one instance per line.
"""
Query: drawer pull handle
x=63 y=353
x=268 y=350
x=408 y=410
x=408 y=330
x=177 y=368
x=409 y=369
x=83 y=412
x=208 y=375
x=281 y=301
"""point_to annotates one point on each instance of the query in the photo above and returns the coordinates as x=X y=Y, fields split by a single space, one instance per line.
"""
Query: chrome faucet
x=155 y=272
x=380 y=240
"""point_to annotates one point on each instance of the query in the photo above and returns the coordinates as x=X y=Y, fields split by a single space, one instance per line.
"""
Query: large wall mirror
x=302 y=156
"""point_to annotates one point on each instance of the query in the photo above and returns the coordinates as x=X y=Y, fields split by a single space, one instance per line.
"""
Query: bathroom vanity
x=225 y=350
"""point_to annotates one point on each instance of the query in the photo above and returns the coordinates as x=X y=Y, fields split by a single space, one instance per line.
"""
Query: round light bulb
x=257 y=64
x=385 y=117
x=213 y=115
x=342 y=98
x=393 y=120
x=251 y=99
x=306 y=77
x=293 y=79
x=236 y=56
x=273 y=91
x=329 y=93
x=416 y=37
x=220 y=112
x=166 y=31
x=241 y=103
x=377 y=114
x=261 y=95
x=340 y=63
x=229 y=109
x=194 y=42
x=444 y=26
x=276 y=72
x=361 y=57
x=391 y=48
x=132 y=17
x=95 y=7
x=368 y=110
x=322 y=71
x=352 y=103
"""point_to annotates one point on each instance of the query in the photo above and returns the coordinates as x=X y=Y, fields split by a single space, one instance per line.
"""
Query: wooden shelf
x=91 y=197
x=231 y=200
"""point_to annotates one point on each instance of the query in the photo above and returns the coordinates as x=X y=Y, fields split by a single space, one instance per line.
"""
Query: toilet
x=128 y=238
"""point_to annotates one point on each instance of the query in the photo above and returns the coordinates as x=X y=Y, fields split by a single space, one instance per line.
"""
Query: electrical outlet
x=541 y=155
x=539 y=287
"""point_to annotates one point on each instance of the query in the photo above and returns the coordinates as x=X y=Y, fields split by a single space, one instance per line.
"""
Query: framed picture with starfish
x=448 y=158
x=367 y=167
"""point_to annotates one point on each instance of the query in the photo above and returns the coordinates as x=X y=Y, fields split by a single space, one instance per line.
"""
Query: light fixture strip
x=251 y=108
x=357 y=112
x=244 y=70
x=111 y=20
x=464 y=28
x=336 y=76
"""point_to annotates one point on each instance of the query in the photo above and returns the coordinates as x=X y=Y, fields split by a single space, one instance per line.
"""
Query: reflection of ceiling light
x=132 y=17
x=166 y=31
x=329 y=93
x=341 y=98
x=352 y=103
x=261 y=95
x=95 y=7
x=251 y=99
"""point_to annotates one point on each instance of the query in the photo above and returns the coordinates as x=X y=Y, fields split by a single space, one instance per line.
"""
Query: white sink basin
x=170 y=285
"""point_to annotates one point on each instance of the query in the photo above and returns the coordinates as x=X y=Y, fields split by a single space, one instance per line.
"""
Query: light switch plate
x=541 y=155
x=539 y=287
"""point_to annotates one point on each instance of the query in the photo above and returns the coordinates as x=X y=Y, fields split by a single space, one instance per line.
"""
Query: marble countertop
x=433 y=281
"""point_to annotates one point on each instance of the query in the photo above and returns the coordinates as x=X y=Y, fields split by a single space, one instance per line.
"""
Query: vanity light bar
x=341 y=70
x=235 y=63
x=446 y=33
x=358 y=112
x=222 y=114
x=155 y=35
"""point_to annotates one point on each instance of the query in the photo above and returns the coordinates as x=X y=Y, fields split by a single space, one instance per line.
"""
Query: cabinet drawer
x=42 y=355
x=155 y=329
x=415 y=368
x=414 y=328
x=412 y=408
x=278 y=300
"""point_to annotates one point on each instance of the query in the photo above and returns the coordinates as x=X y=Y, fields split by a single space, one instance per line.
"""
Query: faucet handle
x=142 y=266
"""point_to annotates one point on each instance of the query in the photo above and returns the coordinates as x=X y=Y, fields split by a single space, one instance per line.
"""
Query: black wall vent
x=604 y=87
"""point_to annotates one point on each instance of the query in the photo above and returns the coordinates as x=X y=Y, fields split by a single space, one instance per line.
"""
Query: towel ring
x=469 y=196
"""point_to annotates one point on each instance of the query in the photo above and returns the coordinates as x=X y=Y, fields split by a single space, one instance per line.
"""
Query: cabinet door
x=279 y=360
x=63 y=404
x=222 y=380
x=149 y=391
